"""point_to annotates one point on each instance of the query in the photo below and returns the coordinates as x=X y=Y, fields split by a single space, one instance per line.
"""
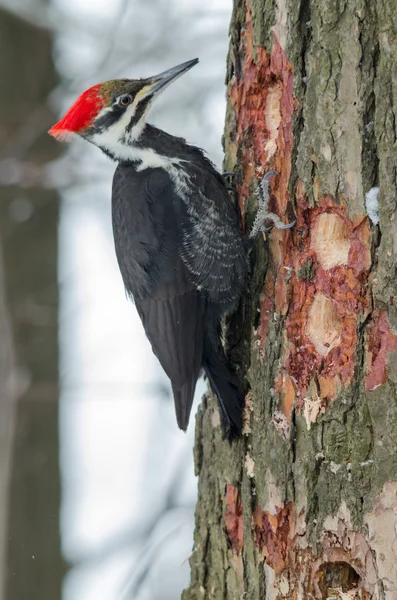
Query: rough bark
x=305 y=505
x=31 y=565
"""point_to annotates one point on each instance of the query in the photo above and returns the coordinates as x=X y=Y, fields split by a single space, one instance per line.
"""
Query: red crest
x=80 y=115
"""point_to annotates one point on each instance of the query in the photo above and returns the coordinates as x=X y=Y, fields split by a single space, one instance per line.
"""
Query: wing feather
x=146 y=220
x=213 y=248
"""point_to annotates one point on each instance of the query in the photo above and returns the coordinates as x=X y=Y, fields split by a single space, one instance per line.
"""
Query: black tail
x=225 y=384
x=183 y=398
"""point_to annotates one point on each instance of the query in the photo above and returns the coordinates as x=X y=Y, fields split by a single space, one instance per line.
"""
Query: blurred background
x=97 y=490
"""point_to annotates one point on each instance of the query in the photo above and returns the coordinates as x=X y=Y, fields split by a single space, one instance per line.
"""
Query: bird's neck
x=152 y=148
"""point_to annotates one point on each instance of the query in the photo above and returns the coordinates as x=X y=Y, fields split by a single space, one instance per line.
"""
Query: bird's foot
x=263 y=214
x=230 y=184
x=230 y=179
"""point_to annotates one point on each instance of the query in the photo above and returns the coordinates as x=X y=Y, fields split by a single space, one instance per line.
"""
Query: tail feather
x=226 y=385
x=183 y=398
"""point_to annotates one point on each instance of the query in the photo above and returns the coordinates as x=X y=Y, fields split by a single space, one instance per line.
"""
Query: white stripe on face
x=115 y=138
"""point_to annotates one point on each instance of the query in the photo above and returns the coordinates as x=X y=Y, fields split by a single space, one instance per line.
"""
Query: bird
x=183 y=257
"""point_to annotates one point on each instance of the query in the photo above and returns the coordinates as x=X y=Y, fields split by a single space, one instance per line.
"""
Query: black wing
x=146 y=223
x=214 y=249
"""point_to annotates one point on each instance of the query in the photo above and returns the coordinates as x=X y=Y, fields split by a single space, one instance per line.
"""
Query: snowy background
x=127 y=485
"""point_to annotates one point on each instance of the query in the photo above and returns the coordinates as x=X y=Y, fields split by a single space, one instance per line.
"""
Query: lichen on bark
x=305 y=504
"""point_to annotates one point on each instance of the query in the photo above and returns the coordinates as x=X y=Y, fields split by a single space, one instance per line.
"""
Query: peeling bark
x=305 y=505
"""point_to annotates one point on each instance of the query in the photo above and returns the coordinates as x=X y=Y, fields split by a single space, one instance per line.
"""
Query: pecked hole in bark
x=337 y=576
x=324 y=327
x=330 y=240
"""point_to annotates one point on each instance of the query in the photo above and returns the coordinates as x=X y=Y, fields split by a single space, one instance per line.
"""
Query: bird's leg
x=262 y=215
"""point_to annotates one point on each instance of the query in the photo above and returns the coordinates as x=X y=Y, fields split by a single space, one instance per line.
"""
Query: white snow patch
x=372 y=206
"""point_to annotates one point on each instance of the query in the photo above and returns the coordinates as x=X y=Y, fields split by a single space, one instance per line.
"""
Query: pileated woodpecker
x=178 y=243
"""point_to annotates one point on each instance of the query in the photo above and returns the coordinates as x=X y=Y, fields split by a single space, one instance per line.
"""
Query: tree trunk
x=7 y=422
x=304 y=506
x=31 y=565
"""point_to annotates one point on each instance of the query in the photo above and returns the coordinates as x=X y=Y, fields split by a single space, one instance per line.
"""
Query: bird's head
x=113 y=114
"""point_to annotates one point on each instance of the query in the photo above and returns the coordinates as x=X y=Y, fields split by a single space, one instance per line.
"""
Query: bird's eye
x=125 y=100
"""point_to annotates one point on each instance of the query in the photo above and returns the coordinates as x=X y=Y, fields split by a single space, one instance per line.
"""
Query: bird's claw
x=263 y=214
x=268 y=176
x=229 y=178
x=277 y=222
x=230 y=185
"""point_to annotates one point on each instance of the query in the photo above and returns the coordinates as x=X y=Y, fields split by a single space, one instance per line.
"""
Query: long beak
x=160 y=81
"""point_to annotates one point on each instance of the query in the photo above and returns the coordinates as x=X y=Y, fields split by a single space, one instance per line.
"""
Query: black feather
x=184 y=261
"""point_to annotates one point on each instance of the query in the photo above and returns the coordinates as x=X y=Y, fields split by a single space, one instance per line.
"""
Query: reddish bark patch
x=234 y=518
x=329 y=386
x=325 y=349
x=263 y=102
x=274 y=535
x=380 y=342
x=285 y=387
x=260 y=93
